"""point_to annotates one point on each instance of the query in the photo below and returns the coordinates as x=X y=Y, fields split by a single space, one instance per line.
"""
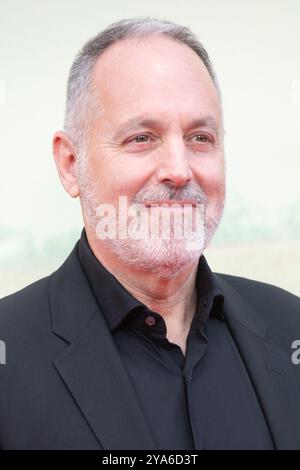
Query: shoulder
x=259 y=293
x=31 y=304
x=278 y=308
x=22 y=309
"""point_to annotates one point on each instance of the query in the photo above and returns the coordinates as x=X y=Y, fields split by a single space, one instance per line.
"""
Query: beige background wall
x=255 y=48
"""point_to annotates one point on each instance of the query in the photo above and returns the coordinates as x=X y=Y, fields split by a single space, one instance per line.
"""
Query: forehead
x=152 y=72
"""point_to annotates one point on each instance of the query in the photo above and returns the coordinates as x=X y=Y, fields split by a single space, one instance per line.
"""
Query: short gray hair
x=79 y=101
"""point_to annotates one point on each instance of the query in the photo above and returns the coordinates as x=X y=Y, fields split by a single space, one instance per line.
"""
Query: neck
x=173 y=298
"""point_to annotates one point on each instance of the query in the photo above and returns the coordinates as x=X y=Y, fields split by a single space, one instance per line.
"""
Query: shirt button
x=150 y=320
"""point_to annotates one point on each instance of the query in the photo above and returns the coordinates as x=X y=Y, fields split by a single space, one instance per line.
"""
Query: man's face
x=157 y=135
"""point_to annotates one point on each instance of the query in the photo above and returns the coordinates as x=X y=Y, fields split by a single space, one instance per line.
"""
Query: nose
x=173 y=166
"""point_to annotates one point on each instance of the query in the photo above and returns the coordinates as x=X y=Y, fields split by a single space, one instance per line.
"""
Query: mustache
x=167 y=193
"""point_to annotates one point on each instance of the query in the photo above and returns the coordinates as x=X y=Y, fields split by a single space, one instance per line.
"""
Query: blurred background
x=254 y=46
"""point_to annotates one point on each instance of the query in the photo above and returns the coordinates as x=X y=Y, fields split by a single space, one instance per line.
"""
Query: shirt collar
x=116 y=302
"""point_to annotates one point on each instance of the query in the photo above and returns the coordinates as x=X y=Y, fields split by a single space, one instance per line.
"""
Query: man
x=133 y=343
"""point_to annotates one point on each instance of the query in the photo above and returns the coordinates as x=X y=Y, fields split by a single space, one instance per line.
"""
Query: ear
x=65 y=159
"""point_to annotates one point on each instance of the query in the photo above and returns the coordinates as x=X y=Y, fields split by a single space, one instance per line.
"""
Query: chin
x=166 y=258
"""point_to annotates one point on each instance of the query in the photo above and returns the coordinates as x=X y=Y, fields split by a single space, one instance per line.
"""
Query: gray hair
x=79 y=103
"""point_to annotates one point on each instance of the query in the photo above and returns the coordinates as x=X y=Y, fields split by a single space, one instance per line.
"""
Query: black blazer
x=64 y=386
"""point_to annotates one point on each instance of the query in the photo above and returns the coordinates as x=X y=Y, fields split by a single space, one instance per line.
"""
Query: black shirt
x=201 y=400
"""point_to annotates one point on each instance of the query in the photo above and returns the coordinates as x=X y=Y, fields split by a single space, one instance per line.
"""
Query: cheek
x=212 y=180
x=216 y=187
x=131 y=176
x=215 y=192
x=123 y=180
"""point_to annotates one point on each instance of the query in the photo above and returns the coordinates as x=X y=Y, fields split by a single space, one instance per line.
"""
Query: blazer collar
x=92 y=369
x=269 y=368
x=90 y=366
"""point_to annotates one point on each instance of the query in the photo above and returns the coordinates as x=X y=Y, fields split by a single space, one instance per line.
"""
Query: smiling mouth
x=171 y=203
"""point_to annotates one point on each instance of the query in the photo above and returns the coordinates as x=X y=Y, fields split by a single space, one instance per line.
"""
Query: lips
x=171 y=203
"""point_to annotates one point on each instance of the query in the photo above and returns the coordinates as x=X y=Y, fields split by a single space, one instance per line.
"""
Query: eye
x=140 y=139
x=202 y=138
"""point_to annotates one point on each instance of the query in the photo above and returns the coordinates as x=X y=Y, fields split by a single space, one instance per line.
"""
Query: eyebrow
x=136 y=123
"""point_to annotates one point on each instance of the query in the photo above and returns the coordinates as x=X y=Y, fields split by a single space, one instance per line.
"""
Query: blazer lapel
x=92 y=370
x=269 y=368
x=90 y=365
